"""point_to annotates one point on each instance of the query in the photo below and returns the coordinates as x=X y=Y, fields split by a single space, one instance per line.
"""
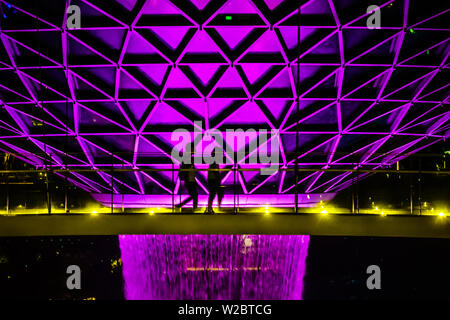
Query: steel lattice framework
x=109 y=95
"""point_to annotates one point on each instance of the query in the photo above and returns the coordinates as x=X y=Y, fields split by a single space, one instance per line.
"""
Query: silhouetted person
x=214 y=186
x=188 y=177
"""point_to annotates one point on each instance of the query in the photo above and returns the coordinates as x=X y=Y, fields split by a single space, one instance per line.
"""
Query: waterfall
x=213 y=267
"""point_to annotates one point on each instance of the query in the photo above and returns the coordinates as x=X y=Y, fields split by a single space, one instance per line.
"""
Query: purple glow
x=243 y=200
x=213 y=267
x=116 y=89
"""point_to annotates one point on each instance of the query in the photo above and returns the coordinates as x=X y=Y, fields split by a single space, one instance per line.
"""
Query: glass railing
x=416 y=185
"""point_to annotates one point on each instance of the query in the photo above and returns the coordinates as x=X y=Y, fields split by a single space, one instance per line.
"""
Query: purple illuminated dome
x=213 y=267
x=110 y=94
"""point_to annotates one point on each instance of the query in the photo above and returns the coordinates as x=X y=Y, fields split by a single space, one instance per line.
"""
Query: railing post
x=7 y=193
x=234 y=190
x=357 y=190
x=173 y=186
x=353 y=195
x=420 y=186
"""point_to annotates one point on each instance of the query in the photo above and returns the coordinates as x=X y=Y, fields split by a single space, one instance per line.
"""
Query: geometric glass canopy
x=111 y=93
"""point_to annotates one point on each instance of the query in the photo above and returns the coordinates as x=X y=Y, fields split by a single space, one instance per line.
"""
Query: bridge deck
x=312 y=224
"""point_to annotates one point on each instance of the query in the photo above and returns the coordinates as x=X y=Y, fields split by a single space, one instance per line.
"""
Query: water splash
x=213 y=267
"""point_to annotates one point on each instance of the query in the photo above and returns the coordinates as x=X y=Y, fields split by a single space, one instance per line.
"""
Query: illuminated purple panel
x=110 y=94
x=213 y=267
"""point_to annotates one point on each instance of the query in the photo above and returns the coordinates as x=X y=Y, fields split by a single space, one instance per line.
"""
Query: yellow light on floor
x=441 y=214
x=151 y=213
x=94 y=213
x=382 y=213
x=324 y=212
